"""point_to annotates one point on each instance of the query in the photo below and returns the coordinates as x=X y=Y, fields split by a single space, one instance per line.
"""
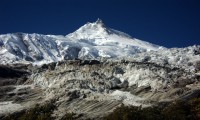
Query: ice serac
x=91 y=41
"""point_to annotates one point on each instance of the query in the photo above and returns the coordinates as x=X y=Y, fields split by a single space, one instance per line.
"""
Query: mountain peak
x=90 y=30
x=99 y=21
x=93 y=30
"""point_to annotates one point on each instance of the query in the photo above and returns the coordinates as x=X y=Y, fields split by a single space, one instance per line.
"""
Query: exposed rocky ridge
x=94 y=88
x=80 y=83
x=145 y=74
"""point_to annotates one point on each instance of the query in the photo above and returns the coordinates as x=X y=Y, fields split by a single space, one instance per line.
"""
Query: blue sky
x=170 y=23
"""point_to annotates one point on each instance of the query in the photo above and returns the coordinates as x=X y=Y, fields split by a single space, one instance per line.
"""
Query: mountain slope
x=91 y=41
x=134 y=72
x=92 y=89
x=100 y=35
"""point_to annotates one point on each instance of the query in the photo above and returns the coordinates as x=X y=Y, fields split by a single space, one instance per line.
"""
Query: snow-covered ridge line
x=91 y=41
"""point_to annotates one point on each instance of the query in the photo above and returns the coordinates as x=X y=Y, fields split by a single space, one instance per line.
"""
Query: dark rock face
x=6 y=72
x=89 y=62
x=10 y=75
x=15 y=89
x=71 y=53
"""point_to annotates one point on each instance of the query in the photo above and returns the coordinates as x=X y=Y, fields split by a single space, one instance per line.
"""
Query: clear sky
x=170 y=23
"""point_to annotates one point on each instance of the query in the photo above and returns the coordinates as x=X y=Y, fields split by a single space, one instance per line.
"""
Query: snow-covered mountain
x=91 y=41
x=112 y=68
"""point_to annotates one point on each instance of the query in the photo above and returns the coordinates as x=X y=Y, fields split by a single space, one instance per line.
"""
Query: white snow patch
x=8 y=106
x=126 y=97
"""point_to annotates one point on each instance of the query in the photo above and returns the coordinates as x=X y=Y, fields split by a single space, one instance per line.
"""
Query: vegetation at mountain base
x=38 y=112
x=69 y=116
x=177 y=110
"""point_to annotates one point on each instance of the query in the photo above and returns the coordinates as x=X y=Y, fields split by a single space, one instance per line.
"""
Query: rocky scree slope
x=16 y=93
x=94 y=88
